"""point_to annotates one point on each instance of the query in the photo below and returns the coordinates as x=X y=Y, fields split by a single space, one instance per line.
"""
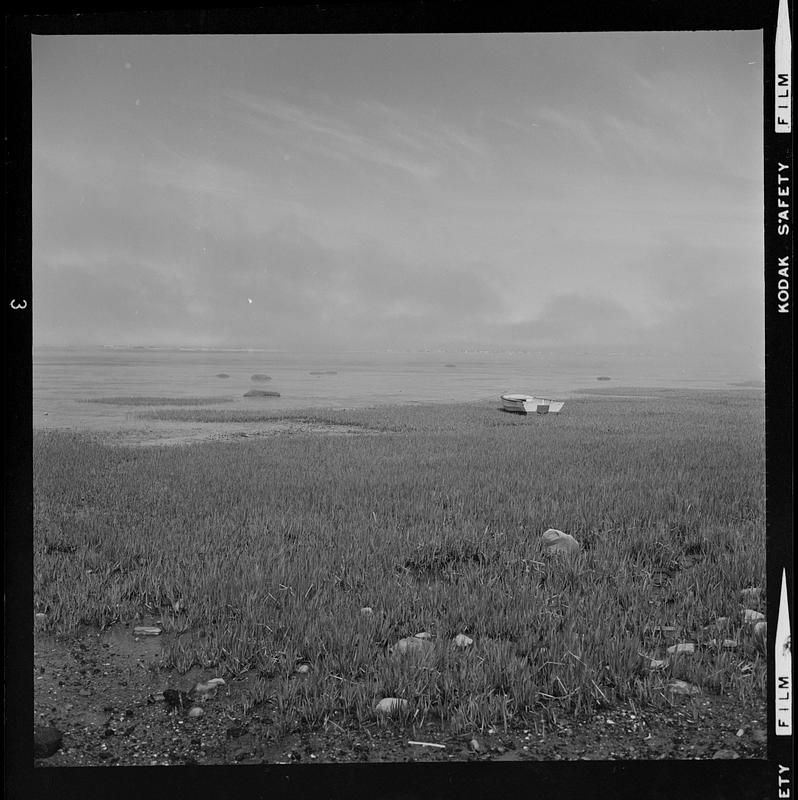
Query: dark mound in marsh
x=260 y=393
x=222 y=375
x=603 y=378
x=259 y=376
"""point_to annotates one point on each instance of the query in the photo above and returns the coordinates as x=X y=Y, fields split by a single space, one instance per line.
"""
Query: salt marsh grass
x=274 y=545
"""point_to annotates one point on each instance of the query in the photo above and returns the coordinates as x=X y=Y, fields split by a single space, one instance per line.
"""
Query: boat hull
x=526 y=404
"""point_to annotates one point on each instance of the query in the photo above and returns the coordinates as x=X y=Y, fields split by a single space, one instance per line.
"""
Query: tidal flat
x=290 y=562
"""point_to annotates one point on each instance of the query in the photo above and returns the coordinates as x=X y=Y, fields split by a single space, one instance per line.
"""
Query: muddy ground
x=104 y=692
x=170 y=433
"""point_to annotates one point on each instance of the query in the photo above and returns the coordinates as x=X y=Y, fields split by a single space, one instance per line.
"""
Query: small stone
x=749 y=615
x=665 y=631
x=391 y=705
x=741 y=732
x=658 y=663
x=725 y=754
x=196 y=711
x=209 y=688
x=475 y=745
x=422 y=635
x=558 y=542
x=146 y=630
x=724 y=644
x=683 y=687
x=303 y=669
x=412 y=645
x=682 y=648
x=47 y=739
x=461 y=640
x=366 y=611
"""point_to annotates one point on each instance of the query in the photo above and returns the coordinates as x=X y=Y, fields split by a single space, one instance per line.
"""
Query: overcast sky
x=579 y=190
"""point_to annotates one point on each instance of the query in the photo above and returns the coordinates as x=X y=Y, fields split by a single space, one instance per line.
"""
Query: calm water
x=63 y=377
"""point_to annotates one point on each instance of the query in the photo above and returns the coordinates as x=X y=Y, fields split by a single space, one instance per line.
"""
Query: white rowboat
x=527 y=404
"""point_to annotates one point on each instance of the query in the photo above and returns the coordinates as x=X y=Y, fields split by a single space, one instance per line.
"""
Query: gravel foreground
x=103 y=692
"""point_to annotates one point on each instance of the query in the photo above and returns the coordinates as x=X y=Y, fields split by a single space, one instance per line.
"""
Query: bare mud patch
x=172 y=434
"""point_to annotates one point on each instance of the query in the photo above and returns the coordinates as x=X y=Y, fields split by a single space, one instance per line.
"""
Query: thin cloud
x=325 y=135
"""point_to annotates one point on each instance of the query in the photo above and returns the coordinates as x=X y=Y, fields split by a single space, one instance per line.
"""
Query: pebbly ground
x=104 y=692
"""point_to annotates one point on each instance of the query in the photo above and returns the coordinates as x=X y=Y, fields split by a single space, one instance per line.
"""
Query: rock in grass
x=475 y=745
x=665 y=631
x=725 y=754
x=411 y=646
x=724 y=644
x=682 y=648
x=749 y=615
x=367 y=611
x=260 y=393
x=208 y=689
x=683 y=687
x=422 y=635
x=461 y=640
x=46 y=740
x=657 y=663
x=391 y=705
x=195 y=712
x=558 y=542
x=721 y=623
x=751 y=594
x=146 y=630
x=303 y=669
